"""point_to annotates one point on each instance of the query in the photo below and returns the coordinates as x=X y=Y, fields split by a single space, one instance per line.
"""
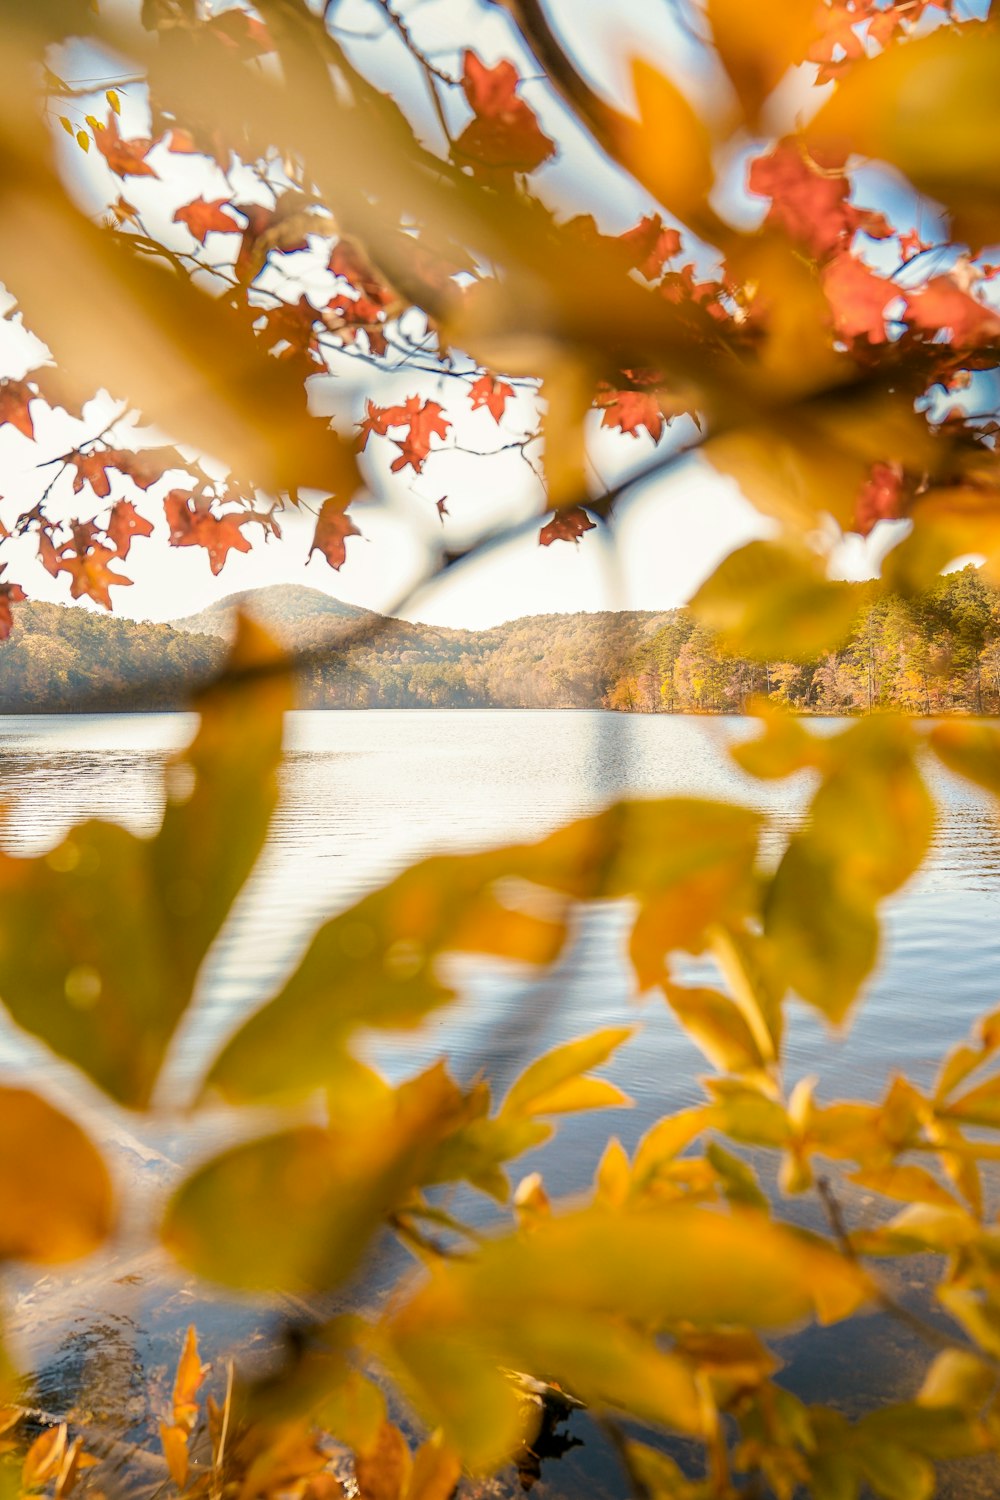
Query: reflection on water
x=365 y=793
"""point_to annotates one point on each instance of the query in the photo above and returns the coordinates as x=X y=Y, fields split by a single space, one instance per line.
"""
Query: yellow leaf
x=970 y=750
x=552 y=1084
x=880 y=109
x=662 y=1142
x=957 y=1378
x=669 y=149
x=383 y=1471
x=613 y=1177
x=716 y=1025
x=869 y=828
x=980 y=1106
x=758 y=44
x=83 y=141
x=783 y=747
x=436 y=1471
x=773 y=601
x=330 y=1190
x=44 y=1458
x=54 y=1186
x=188 y=1381
x=114 y=101
x=174 y=1442
x=907 y=1183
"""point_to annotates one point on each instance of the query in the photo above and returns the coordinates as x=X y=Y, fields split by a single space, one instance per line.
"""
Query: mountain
x=282 y=607
x=939 y=653
x=61 y=659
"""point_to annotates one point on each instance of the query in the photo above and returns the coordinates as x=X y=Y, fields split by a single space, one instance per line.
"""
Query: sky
x=663 y=541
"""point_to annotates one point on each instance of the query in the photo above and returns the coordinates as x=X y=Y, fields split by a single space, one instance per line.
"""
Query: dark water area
x=363 y=795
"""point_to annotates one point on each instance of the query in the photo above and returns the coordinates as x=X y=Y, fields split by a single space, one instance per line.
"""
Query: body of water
x=364 y=794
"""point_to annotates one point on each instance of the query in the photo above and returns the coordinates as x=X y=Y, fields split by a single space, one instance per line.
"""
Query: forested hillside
x=937 y=654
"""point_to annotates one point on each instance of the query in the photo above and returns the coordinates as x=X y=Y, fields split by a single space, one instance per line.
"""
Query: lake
x=365 y=793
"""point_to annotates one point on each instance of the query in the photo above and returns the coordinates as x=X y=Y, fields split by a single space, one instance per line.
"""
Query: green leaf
x=101 y=939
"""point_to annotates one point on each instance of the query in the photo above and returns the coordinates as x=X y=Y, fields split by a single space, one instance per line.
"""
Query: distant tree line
x=939 y=653
x=934 y=654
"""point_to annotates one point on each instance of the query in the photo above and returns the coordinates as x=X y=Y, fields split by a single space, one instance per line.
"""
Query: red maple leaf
x=350 y=316
x=493 y=394
x=144 y=468
x=349 y=261
x=631 y=410
x=203 y=217
x=942 y=304
x=910 y=244
x=377 y=420
x=858 y=299
x=92 y=468
x=10 y=593
x=90 y=575
x=566 y=526
x=422 y=419
x=879 y=497
x=192 y=524
x=125 y=158
x=15 y=396
x=333 y=527
x=650 y=245
x=126 y=523
x=505 y=135
x=292 y=323
x=808 y=200
x=47 y=554
x=239 y=32
x=874 y=224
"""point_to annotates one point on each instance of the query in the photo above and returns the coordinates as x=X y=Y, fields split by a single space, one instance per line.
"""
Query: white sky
x=664 y=541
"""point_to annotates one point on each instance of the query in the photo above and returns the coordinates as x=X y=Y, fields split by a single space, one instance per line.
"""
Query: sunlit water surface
x=363 y=795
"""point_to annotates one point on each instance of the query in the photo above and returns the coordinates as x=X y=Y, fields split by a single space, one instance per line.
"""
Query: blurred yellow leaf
x=102 y=938
x=880 y=109
x=553 y=1084
x=716 y=1025
x=957 y=1378
x=669 y=149
x=383 y=1471
x=54 y=1186
x=772 y=601
x=330 y=1190
x=689 y=863
x=759 y=43
x=436 y=1471
x=568 y=1297
x=971 y=750
x=909 y=1184
x=869 y=827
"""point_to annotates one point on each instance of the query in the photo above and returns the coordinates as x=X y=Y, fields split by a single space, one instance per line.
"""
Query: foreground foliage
x=838 y=361
x=651 y=1299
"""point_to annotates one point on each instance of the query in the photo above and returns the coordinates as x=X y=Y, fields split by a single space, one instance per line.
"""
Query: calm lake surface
x=367 y=792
